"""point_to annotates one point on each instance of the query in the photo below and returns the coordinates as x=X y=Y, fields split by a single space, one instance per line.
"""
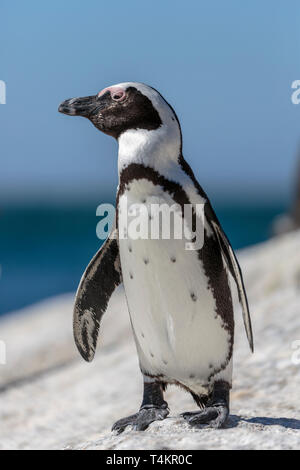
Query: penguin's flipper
x=235 y=271
x=97 y=284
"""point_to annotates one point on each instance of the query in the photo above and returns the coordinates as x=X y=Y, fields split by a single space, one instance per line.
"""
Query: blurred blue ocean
x=44 y=250
x=226 y=67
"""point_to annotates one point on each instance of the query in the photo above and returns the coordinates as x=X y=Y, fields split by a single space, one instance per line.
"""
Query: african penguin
x=179 y=300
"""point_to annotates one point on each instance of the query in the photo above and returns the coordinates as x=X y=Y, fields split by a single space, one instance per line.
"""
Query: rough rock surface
x=51 y=399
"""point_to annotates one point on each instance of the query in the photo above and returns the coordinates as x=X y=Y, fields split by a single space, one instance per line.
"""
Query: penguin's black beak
x=79 y=106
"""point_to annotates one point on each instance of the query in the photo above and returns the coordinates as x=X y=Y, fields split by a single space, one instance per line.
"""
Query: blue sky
x=226 y=67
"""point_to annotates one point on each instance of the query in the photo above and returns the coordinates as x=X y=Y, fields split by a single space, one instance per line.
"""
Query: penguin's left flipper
x=234 y=268
x=97 y=284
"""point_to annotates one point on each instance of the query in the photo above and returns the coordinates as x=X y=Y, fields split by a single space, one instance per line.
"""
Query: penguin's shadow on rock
x=288 y=423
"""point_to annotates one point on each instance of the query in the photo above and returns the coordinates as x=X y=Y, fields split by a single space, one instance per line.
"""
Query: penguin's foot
x=216 y=411
x=141 y=420
x=212 y=417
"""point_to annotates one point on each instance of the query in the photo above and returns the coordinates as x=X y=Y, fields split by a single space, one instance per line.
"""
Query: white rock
x=51 y=399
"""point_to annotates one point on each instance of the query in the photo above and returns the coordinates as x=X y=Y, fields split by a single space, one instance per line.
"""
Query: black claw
x=189 y=414
x=205 y=417
x=141 y=420
x=120 y=425
x=213 y=416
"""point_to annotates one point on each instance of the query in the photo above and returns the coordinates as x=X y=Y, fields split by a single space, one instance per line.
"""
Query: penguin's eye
x=118 y=96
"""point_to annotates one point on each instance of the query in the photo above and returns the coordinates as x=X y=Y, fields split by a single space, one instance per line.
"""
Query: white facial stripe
x=113 y=90
x=160 y=148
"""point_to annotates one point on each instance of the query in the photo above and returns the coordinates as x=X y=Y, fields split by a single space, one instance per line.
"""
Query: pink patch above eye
x=117 y=93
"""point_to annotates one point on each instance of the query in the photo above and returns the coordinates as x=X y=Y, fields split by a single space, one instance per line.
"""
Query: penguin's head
x=119 y=108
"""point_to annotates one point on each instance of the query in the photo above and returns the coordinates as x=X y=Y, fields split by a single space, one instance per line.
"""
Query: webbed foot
x=212 y=416
x=141 y=420
x=216 y=411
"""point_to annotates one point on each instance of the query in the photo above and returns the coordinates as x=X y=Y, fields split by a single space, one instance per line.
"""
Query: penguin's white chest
x=172 y=308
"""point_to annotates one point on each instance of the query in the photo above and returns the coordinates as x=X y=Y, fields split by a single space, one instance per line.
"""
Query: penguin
x=179 y=300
